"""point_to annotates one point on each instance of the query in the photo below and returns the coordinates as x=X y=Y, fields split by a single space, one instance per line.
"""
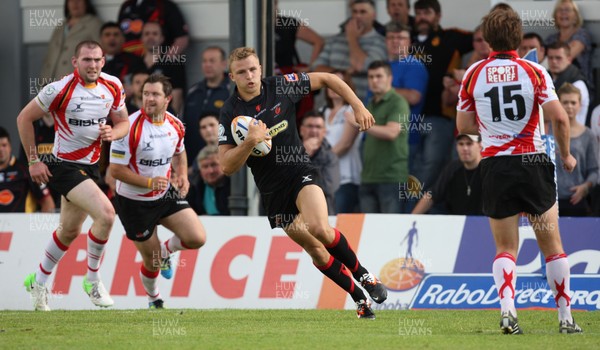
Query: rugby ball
x=239 y=130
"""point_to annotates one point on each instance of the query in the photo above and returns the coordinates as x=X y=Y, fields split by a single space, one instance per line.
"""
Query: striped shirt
x=78 y=110
x=147 y=150
x=506 y=93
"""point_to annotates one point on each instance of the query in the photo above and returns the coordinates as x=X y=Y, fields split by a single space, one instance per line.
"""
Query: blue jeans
x=413 y=149
x=414 y=137
x=434 y=150
x=380 y=198
x=346 y=199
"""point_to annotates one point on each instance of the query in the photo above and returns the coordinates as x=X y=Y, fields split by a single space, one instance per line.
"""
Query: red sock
x=338 y=273
x=341 y=250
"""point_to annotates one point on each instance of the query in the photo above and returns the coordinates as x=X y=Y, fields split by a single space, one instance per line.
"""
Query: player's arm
x=362 y=116
x=560 y=128
x=180 y=179
x=466 y=123
x=37 y=170
x=120 y=126
x=234 y=157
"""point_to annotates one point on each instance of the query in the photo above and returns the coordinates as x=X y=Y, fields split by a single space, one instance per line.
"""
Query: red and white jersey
x=78 y=109
x=506 y=93
x=147 y=150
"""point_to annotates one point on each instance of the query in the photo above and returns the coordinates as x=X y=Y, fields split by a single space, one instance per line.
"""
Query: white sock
x=558 y=275
x=150 y=282
x=505 y=277
x=172 y=245
x=95 y=248
x=55 y=250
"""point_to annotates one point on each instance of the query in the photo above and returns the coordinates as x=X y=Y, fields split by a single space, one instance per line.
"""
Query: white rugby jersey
x=506 y=93
x=147 y=150
x=78 y=109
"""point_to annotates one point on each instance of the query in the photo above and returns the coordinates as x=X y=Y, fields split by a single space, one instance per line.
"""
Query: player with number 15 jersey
x=501 y=98
x=506 y=92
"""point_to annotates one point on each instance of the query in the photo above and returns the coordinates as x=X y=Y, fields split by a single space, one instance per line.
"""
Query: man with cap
x=458 y=188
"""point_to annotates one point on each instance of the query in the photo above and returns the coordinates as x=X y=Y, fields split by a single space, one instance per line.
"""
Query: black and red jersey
x=275 y=106
x=134 y=13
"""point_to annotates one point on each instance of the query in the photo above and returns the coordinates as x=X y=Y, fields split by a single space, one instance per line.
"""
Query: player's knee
x=68 y=235
x=320 y=232
x=195 y=242
x=317 y=252
x=107 y=216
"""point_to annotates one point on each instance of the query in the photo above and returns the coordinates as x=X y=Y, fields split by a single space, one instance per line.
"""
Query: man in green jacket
x=385 y=152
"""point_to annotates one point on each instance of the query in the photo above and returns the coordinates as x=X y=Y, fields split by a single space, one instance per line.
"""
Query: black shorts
x=67 y=175
x=281 y=205
x=515 y=184
x=140 y=218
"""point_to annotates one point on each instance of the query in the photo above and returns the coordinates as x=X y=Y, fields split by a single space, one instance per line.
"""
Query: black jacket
x=570 y=75
x=199 y=101
x=222 y=191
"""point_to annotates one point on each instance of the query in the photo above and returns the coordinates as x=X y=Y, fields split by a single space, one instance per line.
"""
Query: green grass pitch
x=287 y=329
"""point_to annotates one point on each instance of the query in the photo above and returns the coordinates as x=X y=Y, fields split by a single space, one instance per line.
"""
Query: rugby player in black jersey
x=285 y=177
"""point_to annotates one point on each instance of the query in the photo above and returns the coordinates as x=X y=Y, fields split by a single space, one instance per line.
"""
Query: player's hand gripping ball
x=239 y=130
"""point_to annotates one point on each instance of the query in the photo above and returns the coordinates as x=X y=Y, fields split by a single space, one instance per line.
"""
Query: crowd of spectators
x=407 y=72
